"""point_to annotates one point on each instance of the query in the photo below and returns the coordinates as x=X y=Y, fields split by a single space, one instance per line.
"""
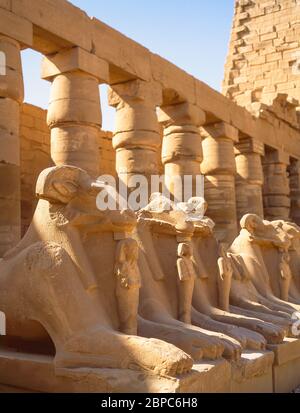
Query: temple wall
x=264 y=54
x=35 y=156
x=262 y=74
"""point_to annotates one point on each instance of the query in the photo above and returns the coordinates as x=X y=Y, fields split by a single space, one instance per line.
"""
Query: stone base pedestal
x=36 y=373
x=253 y=373
x=11 y=389
x=286 y=368
x=208 y=377
x=257 y=372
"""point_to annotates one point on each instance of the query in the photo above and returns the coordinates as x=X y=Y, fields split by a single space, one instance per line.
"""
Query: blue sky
x=193 y=34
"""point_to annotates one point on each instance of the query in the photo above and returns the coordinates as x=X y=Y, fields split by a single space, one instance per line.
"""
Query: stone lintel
x=16 y=28
x=75 y=59
x=181 y=114
x=220 y=130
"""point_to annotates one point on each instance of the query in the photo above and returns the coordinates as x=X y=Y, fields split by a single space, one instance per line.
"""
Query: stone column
x=294 y=171
x=276 y=192
x=11 y=97
x=181 y=149
x=219 y=169
x=249 y=179
x=74 y=114
x=136 y=137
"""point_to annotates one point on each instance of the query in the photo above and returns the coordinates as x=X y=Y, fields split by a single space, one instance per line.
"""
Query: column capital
x=135 y=90
x=247 y=144
x=181 y=114
x=74 y=60
x=295 y=166
x=277 y=156
x=220 y=130
x=11 y=84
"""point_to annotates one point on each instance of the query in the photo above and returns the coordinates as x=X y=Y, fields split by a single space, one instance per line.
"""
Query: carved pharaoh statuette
x=128 y=284
x=186 y=275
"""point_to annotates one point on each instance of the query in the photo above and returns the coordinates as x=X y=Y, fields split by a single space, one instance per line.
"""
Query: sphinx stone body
x=58 y=284
x=258 y=247
x=288 y=259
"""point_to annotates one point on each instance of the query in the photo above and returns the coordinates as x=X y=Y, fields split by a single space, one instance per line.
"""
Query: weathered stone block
x=58 y=17
x=16 y=27
x=75 y=59
x=37 y=374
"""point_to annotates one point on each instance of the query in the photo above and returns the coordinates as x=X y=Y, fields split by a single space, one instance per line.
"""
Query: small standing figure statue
x=128 y=285
x=187 y=275
x=224 y=278
x=285 y=274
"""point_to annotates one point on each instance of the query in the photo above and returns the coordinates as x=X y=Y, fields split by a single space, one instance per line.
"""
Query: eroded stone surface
x=151 y=301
